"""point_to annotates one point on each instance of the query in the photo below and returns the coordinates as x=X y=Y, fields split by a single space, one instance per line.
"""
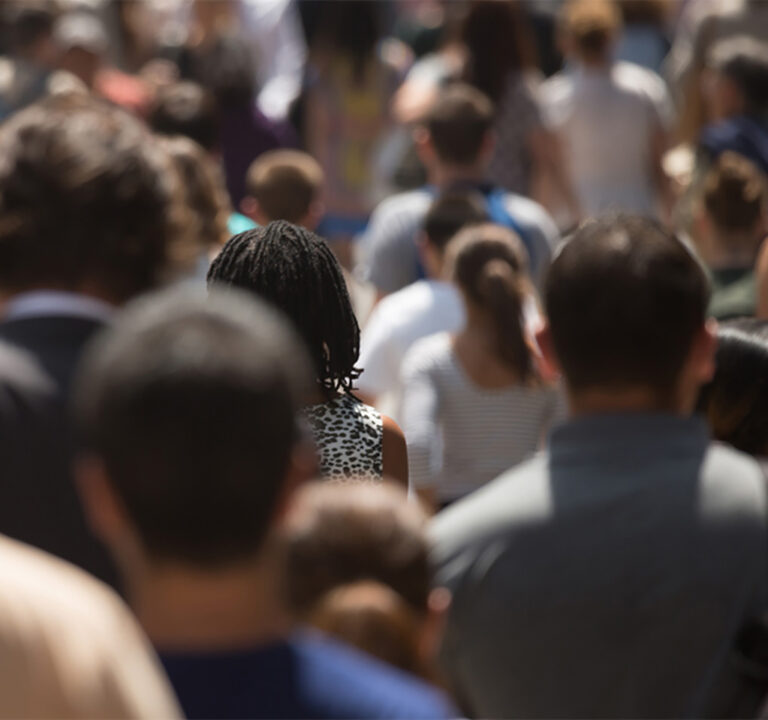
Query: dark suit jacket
x=38 y=499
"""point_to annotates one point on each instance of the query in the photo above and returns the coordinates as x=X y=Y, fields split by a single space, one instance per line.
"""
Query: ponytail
x=489 y=265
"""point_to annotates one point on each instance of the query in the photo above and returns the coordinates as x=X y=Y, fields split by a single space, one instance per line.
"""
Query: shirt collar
x=627 y=434
x=48 y=303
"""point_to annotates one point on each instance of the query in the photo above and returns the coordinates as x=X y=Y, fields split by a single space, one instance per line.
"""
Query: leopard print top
x=348 y=435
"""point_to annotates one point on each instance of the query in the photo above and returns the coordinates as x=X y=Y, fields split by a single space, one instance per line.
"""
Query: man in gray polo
x=617 y=573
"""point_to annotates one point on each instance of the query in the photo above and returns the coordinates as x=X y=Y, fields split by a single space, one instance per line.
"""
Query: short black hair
x=87 y=195
x=28 y=23
x=186 y=108
x=625 y=299
x=458 y=123
x=190 y=403
x=296 y=271
x=735 y=402
x=452 y=211
x=744 y=60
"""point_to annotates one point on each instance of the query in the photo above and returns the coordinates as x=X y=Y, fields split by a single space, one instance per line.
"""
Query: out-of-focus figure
x=612 y=118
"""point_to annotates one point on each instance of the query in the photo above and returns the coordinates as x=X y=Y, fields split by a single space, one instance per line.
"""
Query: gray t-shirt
x=389 y=257
x=608 y=577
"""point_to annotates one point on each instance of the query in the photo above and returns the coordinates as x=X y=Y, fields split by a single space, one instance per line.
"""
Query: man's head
x=30 y=32
x=449 y=213
x=626 y=303
x=456 y=132
x=186 y=409
x=82 y=41
x=588 y=30
x=88 y=201
x=737 y=82
x=186 y=108
x=284 y=185
x=733 y=217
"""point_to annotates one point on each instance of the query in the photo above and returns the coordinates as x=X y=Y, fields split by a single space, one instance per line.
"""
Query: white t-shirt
x=423 y=308
x=607 y=121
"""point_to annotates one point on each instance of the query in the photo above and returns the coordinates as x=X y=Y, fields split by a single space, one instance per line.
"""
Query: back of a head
x=339 y=534
x=591 y=27
x=625 y=300
x=203 y=188
x=735 y=402
x=27 y=24
x=225 y=66
x=87 y=198
x=450 y=212
x=375 y=619
x=498 y=43
x=189 y=401
x=489 y=265
x=285 y=183
x=297 y=272
x=734 y=194
x=744 y=61
x=186 y=108
x=458 y=123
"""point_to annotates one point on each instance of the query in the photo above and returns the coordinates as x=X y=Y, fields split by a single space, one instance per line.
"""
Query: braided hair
x=296 y=271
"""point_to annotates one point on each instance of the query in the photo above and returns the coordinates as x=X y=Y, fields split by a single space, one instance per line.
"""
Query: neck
x=445 y=175
x=735 y=251
x=183 y=608
x=598 y=401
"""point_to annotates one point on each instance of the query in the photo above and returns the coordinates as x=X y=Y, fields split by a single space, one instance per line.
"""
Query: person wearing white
x=422 y=308
x=612 y=119
x=476 y=402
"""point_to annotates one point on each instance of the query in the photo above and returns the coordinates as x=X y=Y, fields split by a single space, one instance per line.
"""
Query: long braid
x=296 y=271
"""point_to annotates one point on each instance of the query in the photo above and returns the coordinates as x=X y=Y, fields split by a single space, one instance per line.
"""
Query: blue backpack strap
x=498 y=213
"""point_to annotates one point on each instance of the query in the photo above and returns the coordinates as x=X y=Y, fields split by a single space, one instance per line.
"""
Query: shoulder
x=52 y=615
x=733 y=484
x=531 y=215
x=640 y=81
x=405 y=205
x=518 y=496
x=429 y=352
x=346 y=683
x=557 y=88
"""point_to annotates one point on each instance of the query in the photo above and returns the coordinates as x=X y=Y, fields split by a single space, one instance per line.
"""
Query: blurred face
x=722 y=97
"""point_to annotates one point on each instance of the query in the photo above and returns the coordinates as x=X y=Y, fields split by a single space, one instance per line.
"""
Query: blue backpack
x=496 y=208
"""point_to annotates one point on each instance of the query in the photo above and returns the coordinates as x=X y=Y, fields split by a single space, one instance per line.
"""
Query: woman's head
x=735 y=402
x=296 y=271
x=204 y=190
x=489 y=265
x=497 y=38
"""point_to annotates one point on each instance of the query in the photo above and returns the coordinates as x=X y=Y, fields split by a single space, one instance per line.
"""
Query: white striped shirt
x=459 y=435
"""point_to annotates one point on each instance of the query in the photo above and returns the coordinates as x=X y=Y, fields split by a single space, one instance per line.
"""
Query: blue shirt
x=304 y=676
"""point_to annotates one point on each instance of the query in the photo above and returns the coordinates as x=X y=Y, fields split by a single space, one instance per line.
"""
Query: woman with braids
x=475 y=403
x=296 y=271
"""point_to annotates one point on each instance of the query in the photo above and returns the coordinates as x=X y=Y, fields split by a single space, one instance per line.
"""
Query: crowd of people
x=383 y=358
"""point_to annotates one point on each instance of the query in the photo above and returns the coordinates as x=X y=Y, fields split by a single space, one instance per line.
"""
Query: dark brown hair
x=497 y=38
x=203 y=188
x=734 y=193
x=285 y=183
x=625 y=300
x=87 y=195
x=489 y=265
x=343 y=533
x=458 y=123
x=375 y=619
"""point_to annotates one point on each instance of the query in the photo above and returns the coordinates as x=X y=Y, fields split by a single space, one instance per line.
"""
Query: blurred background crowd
x=420 y=352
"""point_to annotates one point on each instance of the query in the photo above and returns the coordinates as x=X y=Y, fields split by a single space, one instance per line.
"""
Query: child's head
x=284 y=185
x=358 y=567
